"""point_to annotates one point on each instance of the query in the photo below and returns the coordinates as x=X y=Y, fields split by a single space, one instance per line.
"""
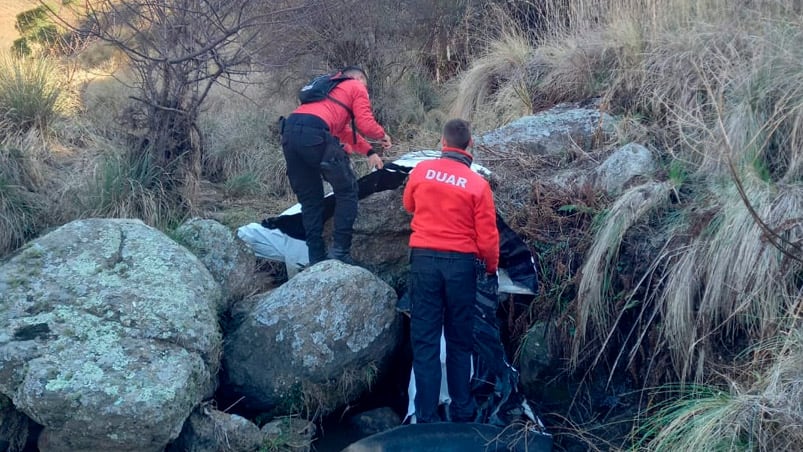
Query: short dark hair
x=457 y=133
x=352 y=69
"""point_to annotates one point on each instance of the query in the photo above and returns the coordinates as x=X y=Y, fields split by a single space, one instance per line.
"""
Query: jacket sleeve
x=487 y=232
x=361 y=106
x=407 y=198
x=346 y=136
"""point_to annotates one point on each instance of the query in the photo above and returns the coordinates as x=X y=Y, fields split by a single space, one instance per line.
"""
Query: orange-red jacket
x=355 y=95
x=453 y=209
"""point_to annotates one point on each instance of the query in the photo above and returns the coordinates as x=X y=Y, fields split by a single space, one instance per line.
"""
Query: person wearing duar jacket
x=317 y=139
x=454 y=224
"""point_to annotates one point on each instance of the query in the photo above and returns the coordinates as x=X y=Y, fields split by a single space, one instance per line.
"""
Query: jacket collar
x=457 y=154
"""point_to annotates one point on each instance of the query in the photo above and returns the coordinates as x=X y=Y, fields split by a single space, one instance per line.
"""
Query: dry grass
x=765 y=417
x=720 y=80
x=33 y=93
x=594 y=314
x=106 y=179
x=708 y=83
x=27 y=181
x=730 y=282
x=496 y=84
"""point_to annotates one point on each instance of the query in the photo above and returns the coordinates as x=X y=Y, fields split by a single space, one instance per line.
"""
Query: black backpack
x=318 y=89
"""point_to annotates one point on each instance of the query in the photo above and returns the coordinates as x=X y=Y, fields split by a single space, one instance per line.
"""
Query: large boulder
x=553 y=132
x=622 y=166
x=319 y=339
x=109 y=335
x=227 y=257
x=381 y=236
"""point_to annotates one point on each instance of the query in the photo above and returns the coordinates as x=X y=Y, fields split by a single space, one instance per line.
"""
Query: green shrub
x=38 y=31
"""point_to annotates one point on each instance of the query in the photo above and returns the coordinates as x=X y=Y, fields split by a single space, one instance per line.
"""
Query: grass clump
x=765 y=416
x=120 y=183
x=23 y=209
x=32 y=94
x=497 y=83
x=594 y=312
x=243 y=151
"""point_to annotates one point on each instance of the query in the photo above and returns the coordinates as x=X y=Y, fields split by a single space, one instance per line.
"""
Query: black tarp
x=514 y=256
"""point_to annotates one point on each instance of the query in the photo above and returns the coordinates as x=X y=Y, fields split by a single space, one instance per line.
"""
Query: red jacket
x=354 y=94
x=453 y=209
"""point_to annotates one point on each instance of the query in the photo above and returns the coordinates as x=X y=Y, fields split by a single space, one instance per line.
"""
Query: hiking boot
x=343 y=256
x=316 y=250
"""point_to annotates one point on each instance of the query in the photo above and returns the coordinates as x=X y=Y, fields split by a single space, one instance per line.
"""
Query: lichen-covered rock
x=381 y=236
x=319 y=340
x=229 y=260
x=210 y=430
x=627 y=162
x=109 y=335
x=536 y=359
x=552 y=132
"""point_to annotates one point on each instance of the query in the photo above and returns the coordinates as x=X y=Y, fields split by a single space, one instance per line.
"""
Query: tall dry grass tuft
x=495 y=90
x=243 y=150
x=25 y=179
x=595 y=312
x=764 y=417
x=32 y=94
x=114 y=182
x=22 y=208
x=731 y=282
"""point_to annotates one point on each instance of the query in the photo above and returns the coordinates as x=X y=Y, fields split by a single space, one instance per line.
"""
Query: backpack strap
x=351 y=113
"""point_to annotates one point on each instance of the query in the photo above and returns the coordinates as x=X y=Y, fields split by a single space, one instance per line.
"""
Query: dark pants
x=442 y=290
x=311 y=152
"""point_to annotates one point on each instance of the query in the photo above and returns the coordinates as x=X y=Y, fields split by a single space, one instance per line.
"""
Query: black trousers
x=311 y=152
x=443 y=291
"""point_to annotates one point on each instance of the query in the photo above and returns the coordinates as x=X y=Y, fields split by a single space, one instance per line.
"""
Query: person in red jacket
x=316 y=141
x=454 y=224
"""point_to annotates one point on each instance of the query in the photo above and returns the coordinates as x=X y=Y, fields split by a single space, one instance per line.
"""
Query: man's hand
x=385 y=142
x=374 y=161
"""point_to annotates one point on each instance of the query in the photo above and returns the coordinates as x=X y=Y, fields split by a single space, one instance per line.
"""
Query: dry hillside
x=8 y=12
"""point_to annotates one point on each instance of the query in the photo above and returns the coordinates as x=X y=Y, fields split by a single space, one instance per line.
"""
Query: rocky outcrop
x=109 y=335
x=229 y=260
x=381 y=235
x=618 y=171
x=552 y=133
x=319 y=340
x=626 y=163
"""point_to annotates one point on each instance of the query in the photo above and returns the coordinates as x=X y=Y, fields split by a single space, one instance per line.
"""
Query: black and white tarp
x=494 y=381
